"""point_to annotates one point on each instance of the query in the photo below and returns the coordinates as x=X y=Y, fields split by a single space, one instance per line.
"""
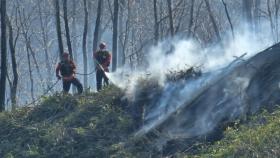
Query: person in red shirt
x=66 y=70
x=103 y=59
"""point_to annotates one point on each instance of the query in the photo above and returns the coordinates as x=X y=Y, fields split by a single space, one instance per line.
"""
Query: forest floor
x=97 y=125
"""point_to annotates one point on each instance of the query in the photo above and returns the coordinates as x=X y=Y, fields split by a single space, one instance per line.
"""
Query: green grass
x=66 y=126
x=259 y=137
x=98 y=125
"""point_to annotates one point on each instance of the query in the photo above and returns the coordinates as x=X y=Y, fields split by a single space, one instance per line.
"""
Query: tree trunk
x=28 y=45
x=25 y=27
x=45 y=37
x=180 y=15
x=74 y=31
x=68 y=38
x=127 y=30
x=121 y=34
x=191 y=19
x=277 y=5
x=96 y=33
x=213 y=21
x=156 y=33
x=270 y=18
x=257 y=15
x=161 y=15
x=228 y=17
x=248 y=13
x=115 y=35
x=14 y=84
x=3 y=56
x=85 y=44
x=170 y=15
x=97 y=26
x=58 y=28
x=73 y=48
x=30 y=74
x=90 y=29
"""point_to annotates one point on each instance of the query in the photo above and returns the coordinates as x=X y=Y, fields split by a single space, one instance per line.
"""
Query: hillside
x=66 y=126
x=258 y=137
x=139 y=78
x=98 y=125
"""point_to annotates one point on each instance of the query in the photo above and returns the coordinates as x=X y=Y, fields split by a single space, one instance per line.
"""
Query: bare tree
x=228 y=17
x=191 y=19
x=25 y=28
x=121 y=33
x=25 y=24
x=124 y=37
x=248 y=12
x=115 y=35
x=74 y=30
x=58 y=27
x=14 y=83
x=156 y=34
x=170 y=15
x=25 y=31
x=68 y=38
x=27 y=37
x=257 y=15
x=30 y=74
x=97 y=26
x=85 y=44
x=45 y=37
x=270 y=17
x=3 y=56
x=213 y=21
x=277 y=6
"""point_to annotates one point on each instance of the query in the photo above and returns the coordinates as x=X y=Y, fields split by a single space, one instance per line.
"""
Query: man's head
x=65 y=56
x=102 y=45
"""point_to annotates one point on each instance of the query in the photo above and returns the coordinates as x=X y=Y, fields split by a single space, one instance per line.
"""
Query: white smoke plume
x=188 y=53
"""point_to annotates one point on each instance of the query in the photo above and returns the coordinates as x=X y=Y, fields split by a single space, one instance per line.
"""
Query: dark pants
x=100 y=75
x=74 y=81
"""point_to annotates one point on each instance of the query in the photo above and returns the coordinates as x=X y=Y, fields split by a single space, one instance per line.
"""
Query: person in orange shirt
x=103 y=60
x=66 y=70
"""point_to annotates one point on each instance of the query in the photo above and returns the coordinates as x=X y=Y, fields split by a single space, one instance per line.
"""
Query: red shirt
x=103 y=57
x=66 y=68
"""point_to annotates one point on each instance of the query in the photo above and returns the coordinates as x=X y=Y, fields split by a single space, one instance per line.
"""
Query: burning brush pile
x=150 y=89
x=185 y=74
x=150 y=83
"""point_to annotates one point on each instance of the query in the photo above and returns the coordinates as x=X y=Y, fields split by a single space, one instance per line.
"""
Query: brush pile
x=185 y=74
x=149 y=89
x=151 y=84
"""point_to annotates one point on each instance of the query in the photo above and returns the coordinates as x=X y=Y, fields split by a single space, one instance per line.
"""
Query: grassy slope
x=259 y=137
x=95 y=126
x=66 y=126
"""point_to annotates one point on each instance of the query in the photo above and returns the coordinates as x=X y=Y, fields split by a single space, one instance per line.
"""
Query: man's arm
x=57 y=71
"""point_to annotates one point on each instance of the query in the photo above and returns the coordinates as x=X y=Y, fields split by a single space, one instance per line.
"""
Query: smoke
x=175 y=97
x=214 y=61
x=230 y=105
